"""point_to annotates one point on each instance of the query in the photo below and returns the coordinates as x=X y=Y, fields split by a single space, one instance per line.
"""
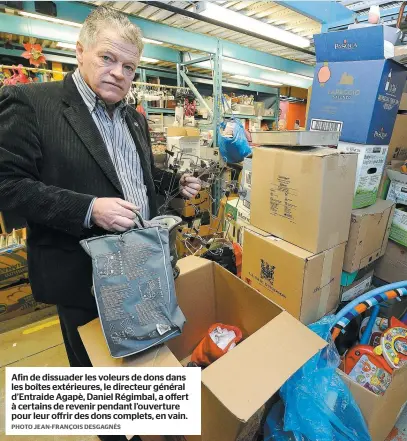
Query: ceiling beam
x=385 y=15
x=322 y=11
x=15 y=24
x=200 y=17
x=77 y=12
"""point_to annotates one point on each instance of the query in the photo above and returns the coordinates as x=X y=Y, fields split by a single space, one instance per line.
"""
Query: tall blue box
x=366 y=43
x=358 y=98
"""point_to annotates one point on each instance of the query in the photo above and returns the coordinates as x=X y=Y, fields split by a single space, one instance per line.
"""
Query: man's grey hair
x=104 y=17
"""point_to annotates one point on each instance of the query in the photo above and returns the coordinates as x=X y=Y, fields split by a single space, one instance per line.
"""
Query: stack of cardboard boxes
x=301 y=202
x=357 y=89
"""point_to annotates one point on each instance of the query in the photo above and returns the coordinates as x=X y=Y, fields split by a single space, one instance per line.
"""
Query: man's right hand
x=114 y=214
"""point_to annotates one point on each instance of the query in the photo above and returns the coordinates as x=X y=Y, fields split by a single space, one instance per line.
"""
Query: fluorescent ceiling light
x=149 y=60
x=66 y=45
x=216 y=12
x=257 y=80
x=48 y=18
x=260 y=66
x=301 y=76
x=149 y=40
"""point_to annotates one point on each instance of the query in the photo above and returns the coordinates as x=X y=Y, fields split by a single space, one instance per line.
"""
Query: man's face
x=108 y=66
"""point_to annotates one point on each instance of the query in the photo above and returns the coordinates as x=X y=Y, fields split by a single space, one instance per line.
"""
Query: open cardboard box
x=380 y=412
x=236 y=387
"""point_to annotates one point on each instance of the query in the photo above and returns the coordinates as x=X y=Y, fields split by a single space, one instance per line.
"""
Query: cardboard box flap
x=313 y=151
x=282 y=244
x=247 y=376
x=380 y=206
x=395 y=175
x=96 y=347
x=192 y=263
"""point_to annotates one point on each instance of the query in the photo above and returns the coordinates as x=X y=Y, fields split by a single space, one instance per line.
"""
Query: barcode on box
x=326 y=125
x=248 y=180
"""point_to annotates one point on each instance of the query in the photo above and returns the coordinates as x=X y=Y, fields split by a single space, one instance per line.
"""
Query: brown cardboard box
x=307 y=285
x=192 y=207
x=398 y=141
x=303 y=196
x=403 y=102
x=380 y=412
x=13 y=265
x=368 y=235
x=183 y=131
x=17 y=300
x=235 y=387
x=392 y=267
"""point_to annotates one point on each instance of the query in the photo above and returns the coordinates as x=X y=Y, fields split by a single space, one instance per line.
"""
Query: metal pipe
x=196 y=93
x=196 y=61
x=194 y=15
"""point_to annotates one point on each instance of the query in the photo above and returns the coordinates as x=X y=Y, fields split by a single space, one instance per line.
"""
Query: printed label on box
x=283 y=199
x=397 y=192
x=371 y=162
x=247 y=185
x=326 y=125
x=357 y=290
x=398 y=231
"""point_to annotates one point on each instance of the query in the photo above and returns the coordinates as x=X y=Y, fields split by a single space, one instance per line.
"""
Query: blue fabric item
x=318 y=404
x=233 y=149
x=134 y=289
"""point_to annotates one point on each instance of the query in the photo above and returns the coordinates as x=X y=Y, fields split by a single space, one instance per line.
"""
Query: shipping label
x=398 y=231
x=371 y=162
x=357 y=290
x=283 y=199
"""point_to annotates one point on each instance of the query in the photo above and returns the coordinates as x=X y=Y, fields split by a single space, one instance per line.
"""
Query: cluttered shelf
x=160 y=110
x=237 y=115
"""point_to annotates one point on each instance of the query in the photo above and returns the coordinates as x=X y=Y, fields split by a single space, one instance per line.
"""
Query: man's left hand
x=189 y=186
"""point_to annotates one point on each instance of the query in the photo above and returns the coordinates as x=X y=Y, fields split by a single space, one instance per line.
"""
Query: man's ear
x=79 y=52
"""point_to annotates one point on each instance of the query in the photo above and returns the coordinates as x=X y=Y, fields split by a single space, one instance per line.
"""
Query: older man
x=76 y=161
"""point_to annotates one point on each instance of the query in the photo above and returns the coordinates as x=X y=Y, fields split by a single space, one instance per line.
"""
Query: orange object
x=239 y=257
x=33 y=52
x=208 y=351
x=324 y=74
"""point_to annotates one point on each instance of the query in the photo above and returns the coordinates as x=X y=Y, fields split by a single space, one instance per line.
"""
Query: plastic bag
x=208 y=351
x=235 y=148
x=318 y=404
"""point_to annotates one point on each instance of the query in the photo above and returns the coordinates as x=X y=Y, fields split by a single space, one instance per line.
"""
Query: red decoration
x=19 y=77
x=33 y=52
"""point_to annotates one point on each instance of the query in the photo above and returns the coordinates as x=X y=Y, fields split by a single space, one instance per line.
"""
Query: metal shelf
x=238 y=115
x=160 y=110
x=229 y=115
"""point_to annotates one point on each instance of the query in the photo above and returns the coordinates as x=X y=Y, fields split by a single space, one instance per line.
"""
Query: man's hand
x=114 y=214
x=189 y=186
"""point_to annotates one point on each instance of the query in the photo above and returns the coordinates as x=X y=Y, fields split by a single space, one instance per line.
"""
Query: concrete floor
x=36 y=344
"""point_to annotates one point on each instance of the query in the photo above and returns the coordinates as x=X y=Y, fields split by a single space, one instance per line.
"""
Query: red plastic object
x=354 y=354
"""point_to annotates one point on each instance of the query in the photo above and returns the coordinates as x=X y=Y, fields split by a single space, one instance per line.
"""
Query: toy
x=393 y=344
x=368 y=369
x=371 y=367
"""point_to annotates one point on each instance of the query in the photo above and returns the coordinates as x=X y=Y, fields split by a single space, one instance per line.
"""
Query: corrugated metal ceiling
x=266 y=11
